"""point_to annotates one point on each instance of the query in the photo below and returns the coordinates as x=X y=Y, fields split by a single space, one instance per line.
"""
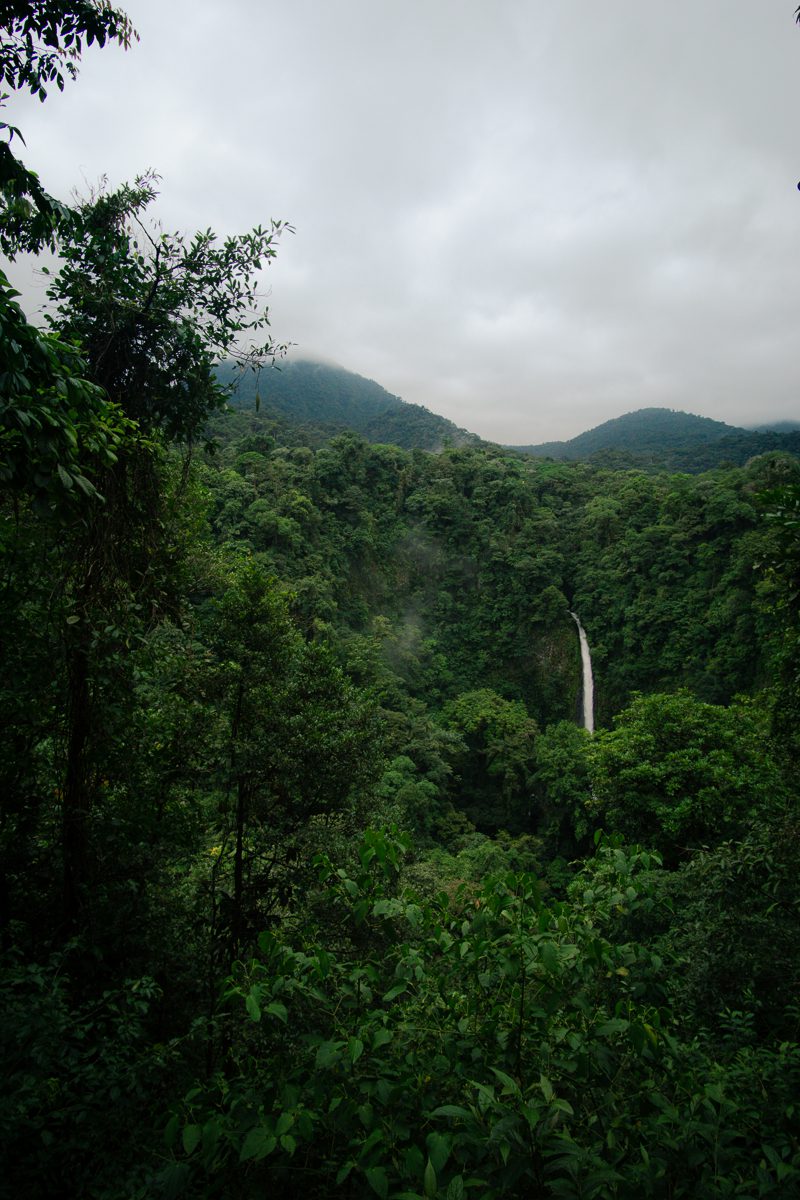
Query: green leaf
x=382 y=1036
x=343 y=1172
x=455 y=1188
x=258 y=1144
x=355 y=1048
x=451 y=1110
x=252 y=1005
x=329 y=1054
x=366 y=1115
x=770 y=1154
x=191 y=1138
x=373 y=1139
x=284 y=1123
x=615 y=1025
x=439 y=1147
x=549 y=955
x=65 y=477
x=171 y=1131
x=278 y=1010
x=211 y=1132
x=83 y=483
x=376 y=1178
x=414 y=1162
x=510 y=1086
x=429 y=1182
x=394 y=992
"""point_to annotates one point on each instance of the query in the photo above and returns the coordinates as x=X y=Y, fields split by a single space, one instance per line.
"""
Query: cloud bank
x=528 y=217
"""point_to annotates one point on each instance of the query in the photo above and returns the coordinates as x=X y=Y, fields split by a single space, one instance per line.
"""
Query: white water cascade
x=588 y=681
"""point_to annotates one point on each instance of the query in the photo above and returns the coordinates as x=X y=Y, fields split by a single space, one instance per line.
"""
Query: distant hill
x=648 y=430
x=321 y=400
x=666 y=439
x=776 y=427
x=333 y=399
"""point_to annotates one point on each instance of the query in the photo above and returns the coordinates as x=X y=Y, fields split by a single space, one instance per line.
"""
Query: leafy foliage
x=735 y=928
x=678 y=774
x=57 y=429
x=494 y=774
x=507 y=1047
x=41 y=45
x=77 y=1073
x=42 y=42
x=153 y=312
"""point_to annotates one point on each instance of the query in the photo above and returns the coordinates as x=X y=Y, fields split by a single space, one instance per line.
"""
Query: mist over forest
x=383 y=811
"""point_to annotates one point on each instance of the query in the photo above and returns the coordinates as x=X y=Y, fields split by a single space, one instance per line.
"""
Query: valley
x=384 y=812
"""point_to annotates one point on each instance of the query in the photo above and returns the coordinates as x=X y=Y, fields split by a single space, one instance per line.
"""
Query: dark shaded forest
x=312 y=882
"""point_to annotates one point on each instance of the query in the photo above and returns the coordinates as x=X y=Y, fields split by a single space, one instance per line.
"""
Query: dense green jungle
x=313 y=882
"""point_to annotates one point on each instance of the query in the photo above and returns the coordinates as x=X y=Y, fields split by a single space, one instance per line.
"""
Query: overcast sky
x=528 y=215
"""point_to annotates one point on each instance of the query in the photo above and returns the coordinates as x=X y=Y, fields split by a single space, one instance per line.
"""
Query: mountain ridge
x=670 y=426
x=326 y=399
x=665 y=438
x=325 y=394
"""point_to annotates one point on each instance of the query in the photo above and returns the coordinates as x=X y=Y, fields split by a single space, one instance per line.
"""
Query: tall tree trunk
x=238 y=866
x=75 y=803
x=241 y=818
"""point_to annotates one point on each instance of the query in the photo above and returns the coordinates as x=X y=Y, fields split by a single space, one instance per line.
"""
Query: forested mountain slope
x=483 y=553
x=776 y=427
x=325 y=399
x=330 y=398
x=661 y=438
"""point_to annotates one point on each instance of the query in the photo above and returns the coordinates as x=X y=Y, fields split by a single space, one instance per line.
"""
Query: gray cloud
x=529 y=217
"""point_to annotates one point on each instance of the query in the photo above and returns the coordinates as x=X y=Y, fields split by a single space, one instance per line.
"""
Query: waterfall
x=588 y=682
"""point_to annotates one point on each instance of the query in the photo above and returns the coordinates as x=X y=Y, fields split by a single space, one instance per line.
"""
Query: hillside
x=664 y=438
x=332 y=398
x=775 y=427
x=323 y=400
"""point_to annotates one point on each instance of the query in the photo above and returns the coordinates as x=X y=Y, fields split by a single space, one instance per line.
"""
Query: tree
x=562 y=786
x=151 y=313
x=41 y=45
x=495 y=770
x=677 y=774
x=56 y=427
x=735 y=925
x=281 y=739
x=53 y=422
x=58 y=430
x=154 y=312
